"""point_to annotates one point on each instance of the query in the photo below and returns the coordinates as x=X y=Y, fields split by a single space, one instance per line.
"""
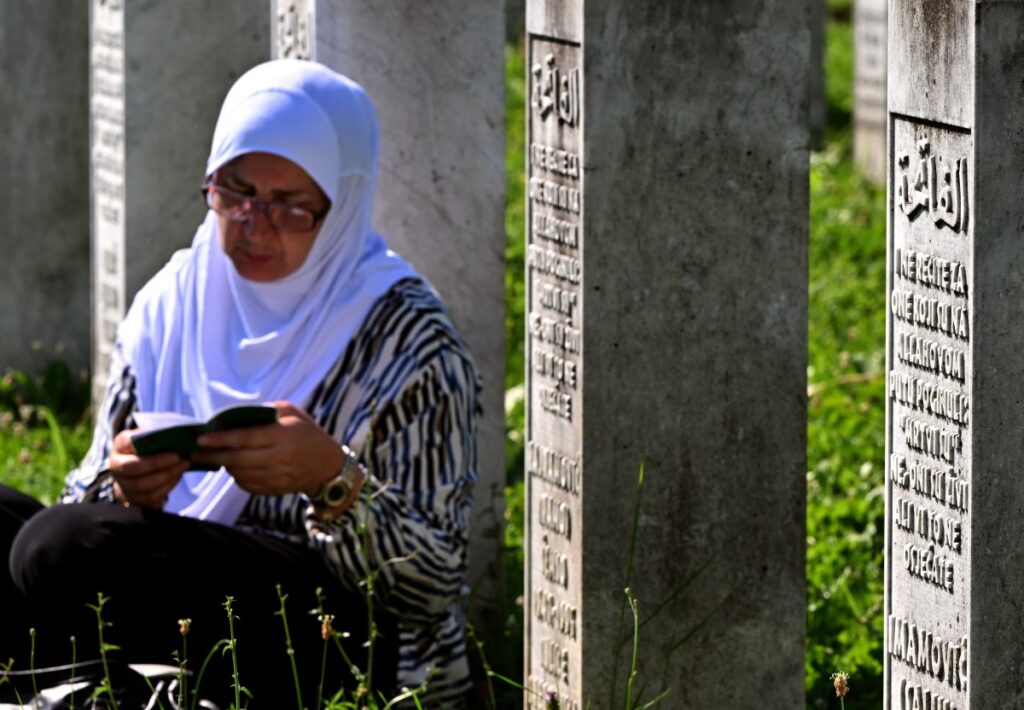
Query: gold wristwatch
x=337 y=490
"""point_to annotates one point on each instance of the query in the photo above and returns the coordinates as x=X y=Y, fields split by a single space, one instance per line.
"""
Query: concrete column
x=435 y=72
x=955 y=336
x=44 y=203
x=869 y=72
x=667 y=291
x=159 y=74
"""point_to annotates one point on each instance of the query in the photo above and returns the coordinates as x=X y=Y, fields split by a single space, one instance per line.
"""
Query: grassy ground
x=846 y=405
x=846 y=412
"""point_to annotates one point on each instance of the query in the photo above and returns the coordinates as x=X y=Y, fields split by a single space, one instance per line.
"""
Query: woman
x=286 y=295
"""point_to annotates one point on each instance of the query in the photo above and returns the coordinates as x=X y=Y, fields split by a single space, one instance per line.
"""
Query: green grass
x=845 y=412
x=846 y=409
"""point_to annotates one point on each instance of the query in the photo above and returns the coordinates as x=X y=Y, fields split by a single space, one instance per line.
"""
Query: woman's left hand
x=290 y=456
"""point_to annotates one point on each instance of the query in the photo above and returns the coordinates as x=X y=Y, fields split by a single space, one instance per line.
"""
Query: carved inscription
x=929 y=391
x=108 y=181
x=933 y=185
x=555 y=370
x=294 y=29
x=927 y=652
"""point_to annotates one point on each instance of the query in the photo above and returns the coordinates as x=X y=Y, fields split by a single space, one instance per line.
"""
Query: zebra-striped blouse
x=403 y=396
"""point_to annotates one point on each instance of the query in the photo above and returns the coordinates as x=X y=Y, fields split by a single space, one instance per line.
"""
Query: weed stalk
x=32 y=666
x=282 y=612
x=107 y=686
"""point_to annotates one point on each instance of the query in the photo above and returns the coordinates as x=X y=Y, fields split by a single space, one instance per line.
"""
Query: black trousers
x=157 y=568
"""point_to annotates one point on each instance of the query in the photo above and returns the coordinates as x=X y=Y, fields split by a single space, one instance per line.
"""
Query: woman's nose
x=257 y=225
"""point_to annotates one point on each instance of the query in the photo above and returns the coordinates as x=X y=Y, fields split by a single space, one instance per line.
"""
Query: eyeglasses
x=239 y=207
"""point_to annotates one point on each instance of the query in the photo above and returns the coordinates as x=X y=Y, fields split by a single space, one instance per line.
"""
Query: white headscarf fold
x=200 y=337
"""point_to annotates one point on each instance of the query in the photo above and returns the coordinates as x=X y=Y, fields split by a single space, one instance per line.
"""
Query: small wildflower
x=841 y=681
x=26 y=412
x=6 y=419
x=24 y=456
x=184 y=626
x=326 y=625
x=361 y=691
x=19 y=429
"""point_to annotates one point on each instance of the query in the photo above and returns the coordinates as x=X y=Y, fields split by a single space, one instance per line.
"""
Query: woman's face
x=259 y=251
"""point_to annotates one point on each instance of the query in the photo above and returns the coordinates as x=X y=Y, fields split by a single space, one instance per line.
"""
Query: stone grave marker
x=44 y=205
x=159 y=72
x=435 y=72
x=869 y=77
x=956 y=378
x=667 y=296
x=819 y=99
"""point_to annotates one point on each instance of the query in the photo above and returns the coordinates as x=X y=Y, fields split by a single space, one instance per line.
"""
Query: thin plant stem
x=325 y=632
x=184 y=626
x=491 y=702
x=323 y=675
x=636 y=646
x=630 y=556
x=6 y=678
x=233 y=646
x=74 y=662
x=32 y=667
x=288 y=646
x=108 y=686
x=364 y=529
x=202 y=671
x=154 y=693
x=842 y=703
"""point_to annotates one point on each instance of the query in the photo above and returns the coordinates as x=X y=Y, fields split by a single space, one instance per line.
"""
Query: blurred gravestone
x=159 y=72
x=955 y=334
x=667 y=297
x=435 y=72
x=869 y=77
x=44 y=204
x=819 y=99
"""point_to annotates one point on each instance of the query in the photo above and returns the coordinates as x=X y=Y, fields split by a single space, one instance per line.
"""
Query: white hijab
x=200 y=337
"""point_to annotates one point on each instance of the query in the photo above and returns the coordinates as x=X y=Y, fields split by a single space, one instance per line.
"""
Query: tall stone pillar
x=159 y=72
x=667 y=294
x=435 y=72
x=869 y=78
x=44 y=203
x=954 y=493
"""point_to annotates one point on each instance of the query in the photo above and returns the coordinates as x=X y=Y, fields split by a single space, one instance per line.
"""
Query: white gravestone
x=667 y=170
x=159 y=72
x=435 y=72
x=869 y=110
x=954 y=493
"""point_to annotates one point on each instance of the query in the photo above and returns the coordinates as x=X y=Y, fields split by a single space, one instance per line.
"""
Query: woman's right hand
x=144 y=481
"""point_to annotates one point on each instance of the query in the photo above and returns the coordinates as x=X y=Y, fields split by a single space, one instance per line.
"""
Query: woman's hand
x=144 y=481
x=293 y=455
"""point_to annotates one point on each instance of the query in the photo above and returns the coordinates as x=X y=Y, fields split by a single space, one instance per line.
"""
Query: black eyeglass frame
x=209 y=187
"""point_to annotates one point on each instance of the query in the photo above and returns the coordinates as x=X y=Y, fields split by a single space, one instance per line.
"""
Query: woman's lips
x=257 y=258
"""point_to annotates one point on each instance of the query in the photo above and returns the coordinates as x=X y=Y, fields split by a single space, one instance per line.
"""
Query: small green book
x=162 y=432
